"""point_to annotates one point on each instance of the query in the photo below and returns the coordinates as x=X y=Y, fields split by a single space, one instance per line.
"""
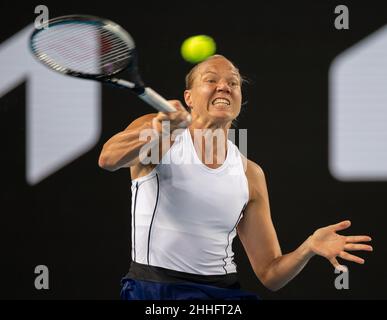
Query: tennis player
x=188 y=206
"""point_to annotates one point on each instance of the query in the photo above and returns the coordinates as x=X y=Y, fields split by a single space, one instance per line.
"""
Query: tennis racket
x=93 y=48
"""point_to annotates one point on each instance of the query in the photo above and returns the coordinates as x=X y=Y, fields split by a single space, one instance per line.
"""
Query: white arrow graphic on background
x=358 y=111
x=62 y=113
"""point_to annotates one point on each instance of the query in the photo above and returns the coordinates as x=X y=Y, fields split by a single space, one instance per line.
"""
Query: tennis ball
x=197 y=48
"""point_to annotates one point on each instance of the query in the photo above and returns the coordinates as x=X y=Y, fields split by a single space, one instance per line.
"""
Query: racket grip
x=156 y=101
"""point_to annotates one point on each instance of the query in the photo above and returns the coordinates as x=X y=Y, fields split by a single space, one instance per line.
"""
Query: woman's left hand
x=328 y=244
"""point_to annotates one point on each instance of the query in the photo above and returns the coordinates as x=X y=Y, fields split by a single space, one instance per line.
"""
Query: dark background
x=77 y=221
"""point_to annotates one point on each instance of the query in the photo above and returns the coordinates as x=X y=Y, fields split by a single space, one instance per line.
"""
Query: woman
x=187 y=209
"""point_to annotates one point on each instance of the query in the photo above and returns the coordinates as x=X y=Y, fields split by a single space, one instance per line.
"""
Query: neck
x=210 y=144
x=212 y=125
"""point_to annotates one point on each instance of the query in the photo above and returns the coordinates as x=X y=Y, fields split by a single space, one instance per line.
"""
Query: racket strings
x=67 y=42
x=111 y=48
x=85 y=48
x=119 y=51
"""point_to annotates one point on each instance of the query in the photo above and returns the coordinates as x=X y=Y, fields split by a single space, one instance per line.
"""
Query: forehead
x=218 y=65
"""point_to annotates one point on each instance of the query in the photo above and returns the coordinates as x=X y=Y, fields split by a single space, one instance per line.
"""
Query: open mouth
x=221 y=101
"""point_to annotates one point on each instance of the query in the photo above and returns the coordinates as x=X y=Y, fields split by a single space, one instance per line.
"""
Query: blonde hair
x=190 y=77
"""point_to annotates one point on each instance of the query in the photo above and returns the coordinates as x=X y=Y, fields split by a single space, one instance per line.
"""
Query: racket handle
x=156 y=101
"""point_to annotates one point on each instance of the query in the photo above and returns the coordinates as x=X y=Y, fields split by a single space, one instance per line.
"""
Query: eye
x=210 y=80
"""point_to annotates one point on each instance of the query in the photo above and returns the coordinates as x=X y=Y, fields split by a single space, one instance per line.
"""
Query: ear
x=188 y=98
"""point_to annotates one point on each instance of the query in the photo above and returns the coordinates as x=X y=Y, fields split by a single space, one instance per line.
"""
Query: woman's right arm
x=123 y=149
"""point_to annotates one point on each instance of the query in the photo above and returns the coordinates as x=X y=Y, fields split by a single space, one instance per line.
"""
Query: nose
x=223 y=86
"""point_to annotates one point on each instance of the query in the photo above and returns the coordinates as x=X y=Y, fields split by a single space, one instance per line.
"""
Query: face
x=215 y=96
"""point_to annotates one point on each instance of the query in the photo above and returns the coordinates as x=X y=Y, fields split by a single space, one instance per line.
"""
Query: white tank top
x=184 y=216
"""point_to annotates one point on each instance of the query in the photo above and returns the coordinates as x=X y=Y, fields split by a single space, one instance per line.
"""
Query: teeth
x=221 y=101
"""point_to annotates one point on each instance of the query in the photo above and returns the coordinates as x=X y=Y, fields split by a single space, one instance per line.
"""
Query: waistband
x=145 y=272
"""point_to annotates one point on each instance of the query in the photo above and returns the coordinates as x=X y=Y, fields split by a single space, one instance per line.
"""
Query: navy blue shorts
x=151 y=290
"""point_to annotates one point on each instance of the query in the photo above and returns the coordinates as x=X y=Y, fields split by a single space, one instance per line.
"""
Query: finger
x=160 y=123
x=337 y=265
x=357 y=247
x=156 y=124
x=351 y=257
x=177 y=104
x=180 y=115
x=341 y=225
x=162 y=116
x=358 y=239
x=172 y=117
x=168 y=121
x=185 y=123
x=181 y=120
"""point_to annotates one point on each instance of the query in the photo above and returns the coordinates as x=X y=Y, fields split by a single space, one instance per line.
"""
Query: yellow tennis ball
x=197 y=48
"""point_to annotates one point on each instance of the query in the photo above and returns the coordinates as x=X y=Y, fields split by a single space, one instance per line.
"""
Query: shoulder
x=255 y=178
x=252 y=170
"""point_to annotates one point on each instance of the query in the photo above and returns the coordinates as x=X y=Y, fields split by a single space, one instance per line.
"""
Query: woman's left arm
x=259 y=239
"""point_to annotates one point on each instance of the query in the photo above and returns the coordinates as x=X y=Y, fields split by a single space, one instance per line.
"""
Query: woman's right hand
x=166 y=122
